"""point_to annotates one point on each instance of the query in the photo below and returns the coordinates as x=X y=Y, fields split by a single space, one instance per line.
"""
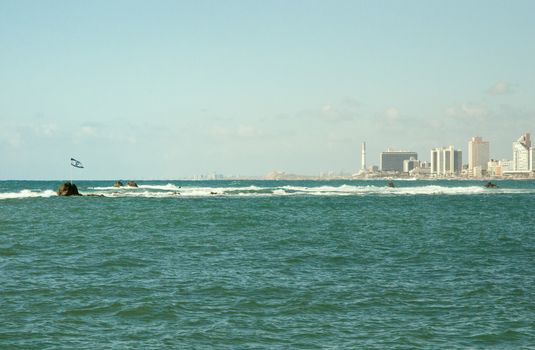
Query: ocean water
x=268 y=265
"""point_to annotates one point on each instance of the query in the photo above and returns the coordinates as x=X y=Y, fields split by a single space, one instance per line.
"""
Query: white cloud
x=90 y=131
x=13 y=139
x=388 y=119
x=240 y=131
x=343 y=111
x=17 y=134
x=468 y=111
x=327 y=108
x=500 y=88
x=248 y=131
x=392 y=114
x=338 y=113
x=47 y=130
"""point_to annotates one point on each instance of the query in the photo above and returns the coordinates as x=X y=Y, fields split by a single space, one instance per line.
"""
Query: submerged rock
x=118 y=184
x=68 y=189
x=131 y=184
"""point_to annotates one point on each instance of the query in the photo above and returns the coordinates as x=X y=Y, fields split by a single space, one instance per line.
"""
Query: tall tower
x=478 y=153
x=521 y=147
x=446 y=161
x=363 y=157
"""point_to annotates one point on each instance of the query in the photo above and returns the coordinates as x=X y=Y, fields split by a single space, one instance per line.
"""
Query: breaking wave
x=170 y=190
x=28 y=194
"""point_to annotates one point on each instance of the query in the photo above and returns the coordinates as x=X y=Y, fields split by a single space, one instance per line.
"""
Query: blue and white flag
x=76 y=163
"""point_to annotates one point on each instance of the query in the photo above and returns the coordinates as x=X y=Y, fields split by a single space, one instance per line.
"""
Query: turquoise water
x=268 y=265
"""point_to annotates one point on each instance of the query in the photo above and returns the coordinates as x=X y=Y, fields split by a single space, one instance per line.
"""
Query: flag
x=76 y=163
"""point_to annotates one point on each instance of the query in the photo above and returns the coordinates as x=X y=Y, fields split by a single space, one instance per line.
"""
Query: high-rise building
x=494 y=168
x=478 y=154
x=363 y=158
x=446 y=161
x=410 y=164
x=393 y=160
x=521 y=154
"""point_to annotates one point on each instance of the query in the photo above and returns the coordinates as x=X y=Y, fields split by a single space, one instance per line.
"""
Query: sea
x=349 y=264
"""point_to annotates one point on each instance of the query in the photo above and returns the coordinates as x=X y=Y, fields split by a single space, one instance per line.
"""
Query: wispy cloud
x=88 y=131
x=47 y=129
x=16 y=135
x=343 y=111
x=12 y=138
x=392 y=114
x=240 y=131
x=334 y=114
x=389 y=118
x=500 y=88
x=469 y=112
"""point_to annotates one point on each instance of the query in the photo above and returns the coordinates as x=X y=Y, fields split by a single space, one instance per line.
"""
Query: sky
x=174 y=89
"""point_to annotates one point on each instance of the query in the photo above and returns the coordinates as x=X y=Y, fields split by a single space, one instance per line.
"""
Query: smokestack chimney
x=363 y=157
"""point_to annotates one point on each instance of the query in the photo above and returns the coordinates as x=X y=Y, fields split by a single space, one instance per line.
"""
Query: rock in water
x=118 y=184
x=68 y=189
x=131 y=184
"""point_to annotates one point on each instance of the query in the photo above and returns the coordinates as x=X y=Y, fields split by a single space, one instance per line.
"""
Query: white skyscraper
x=446 y=161
x=521 y=154
x=363 y=158
x=478 y=154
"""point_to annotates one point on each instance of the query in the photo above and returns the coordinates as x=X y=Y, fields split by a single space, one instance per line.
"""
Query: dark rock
x=68 y=189
x=118 y=184
x=131 y=184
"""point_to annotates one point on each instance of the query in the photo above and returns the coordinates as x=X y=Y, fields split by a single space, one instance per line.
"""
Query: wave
x=28 y=194
x=343 y=190
x=168 y=187
x=362 y=190
x=170 y=190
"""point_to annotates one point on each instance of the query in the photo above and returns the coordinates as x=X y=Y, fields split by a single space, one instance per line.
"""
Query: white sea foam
x=168 y=187
x=343 y=190
x=103 y=188
x=111 y=188
x=27 y=194
x=174 y=191
x=384 y=190
x=172 y=187
x=279 y=192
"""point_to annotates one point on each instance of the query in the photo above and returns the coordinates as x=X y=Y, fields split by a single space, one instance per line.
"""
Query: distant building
x=506 y=165
x=494 y=168
x=420 y=172
x=476 y=171
x=446 y=161
x=521 y=154
x=363 y=157
x=410 y=164
x=478 y=156
x=393 y=160
x=425 y=165
x=373 y=168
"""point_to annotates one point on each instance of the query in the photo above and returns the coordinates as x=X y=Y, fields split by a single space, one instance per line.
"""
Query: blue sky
x=169 y=89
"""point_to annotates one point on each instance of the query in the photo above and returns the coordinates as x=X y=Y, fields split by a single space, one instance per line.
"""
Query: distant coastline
x=296 y=177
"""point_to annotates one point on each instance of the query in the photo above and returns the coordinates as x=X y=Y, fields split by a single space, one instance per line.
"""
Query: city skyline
x=171 y=90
